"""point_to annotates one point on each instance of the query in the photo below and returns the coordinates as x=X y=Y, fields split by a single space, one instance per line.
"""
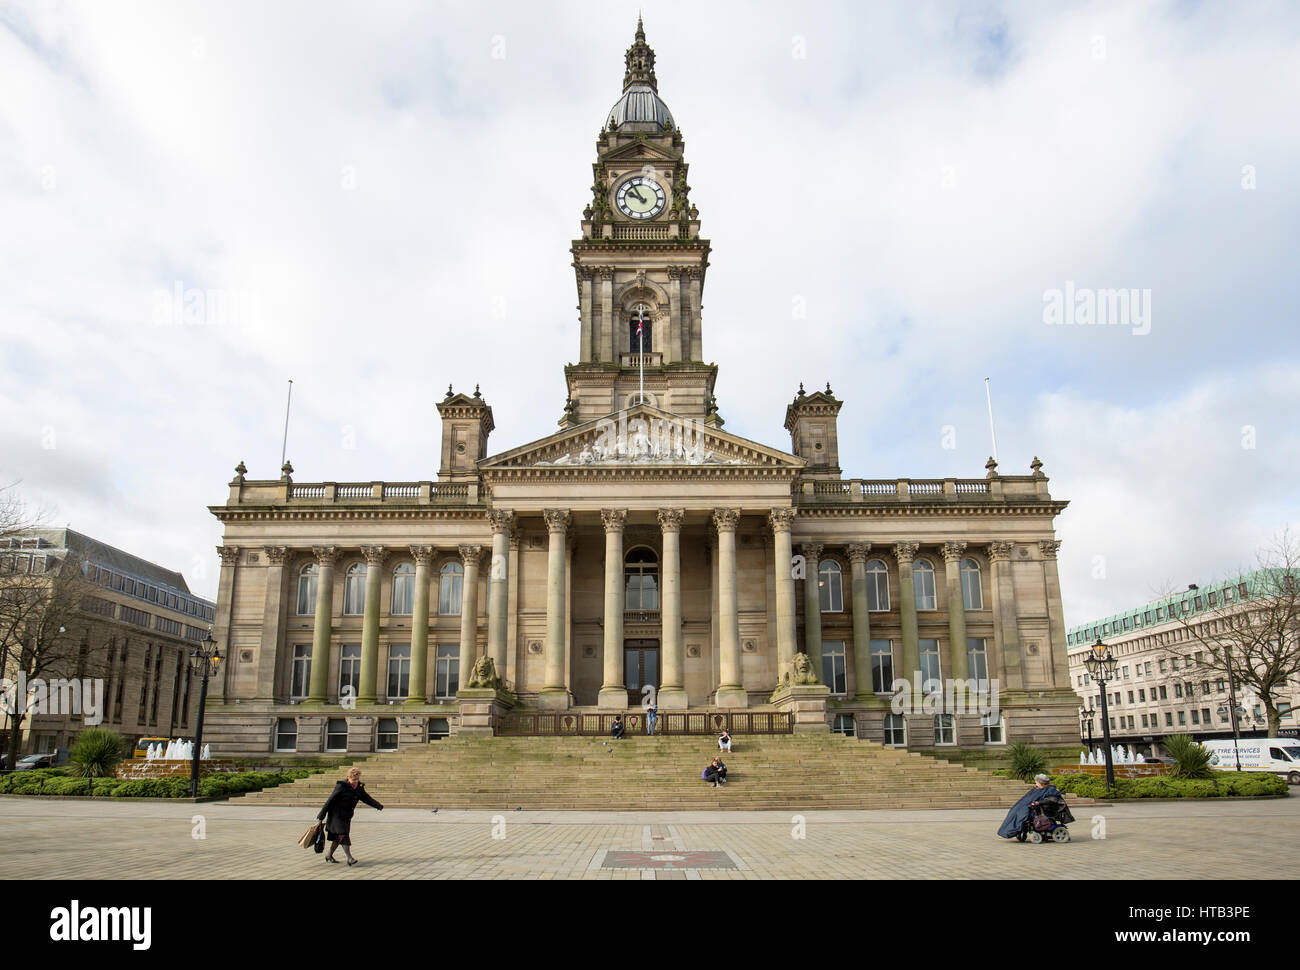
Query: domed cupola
x=640 y=108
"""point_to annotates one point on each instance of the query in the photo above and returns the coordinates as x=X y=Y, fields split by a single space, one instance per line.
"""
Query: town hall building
x=641 y=552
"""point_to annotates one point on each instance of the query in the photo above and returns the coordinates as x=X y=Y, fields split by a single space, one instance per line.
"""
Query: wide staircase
x=660 y=773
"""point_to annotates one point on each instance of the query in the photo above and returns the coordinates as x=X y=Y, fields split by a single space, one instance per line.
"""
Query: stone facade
x=641 y=544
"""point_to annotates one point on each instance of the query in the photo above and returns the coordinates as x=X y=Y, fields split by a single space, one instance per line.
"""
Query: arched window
x=923 y=583
x=972 y=594
x=403 y=589
x=354 y=590
x=877 y=586
x=640 y=331
x=307 y=579
x=641 y=574
x=830 y=586
x=450 y=581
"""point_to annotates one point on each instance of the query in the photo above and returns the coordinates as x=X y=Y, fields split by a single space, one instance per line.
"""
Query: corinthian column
x=812 y=606
x=555 y=694
x=957 y=660
x=498 y=587
x=782 y=561
x=470 y=556
x=1005 y=629
x=420 y=626
x=672 y=693
x=861 y=619
x=731 y=691
x=613 y=693
x=366 y=693
x=905 y=552
x=320 y=642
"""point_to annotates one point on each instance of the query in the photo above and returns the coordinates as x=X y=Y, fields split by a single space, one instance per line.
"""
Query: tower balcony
x=635 y=361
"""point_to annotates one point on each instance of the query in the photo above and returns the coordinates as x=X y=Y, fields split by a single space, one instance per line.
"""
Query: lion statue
x=803 y=669
x=484 y=673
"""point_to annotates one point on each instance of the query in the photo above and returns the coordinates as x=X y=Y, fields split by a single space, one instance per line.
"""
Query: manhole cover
x=660 y=860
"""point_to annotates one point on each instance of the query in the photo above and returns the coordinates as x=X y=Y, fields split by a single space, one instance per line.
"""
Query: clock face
x=640 y=198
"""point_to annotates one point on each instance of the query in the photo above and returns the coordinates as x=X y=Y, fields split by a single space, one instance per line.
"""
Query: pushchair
x=1047 y=822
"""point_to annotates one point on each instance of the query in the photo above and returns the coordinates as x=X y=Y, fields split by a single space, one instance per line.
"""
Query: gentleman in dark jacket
x=337 y=813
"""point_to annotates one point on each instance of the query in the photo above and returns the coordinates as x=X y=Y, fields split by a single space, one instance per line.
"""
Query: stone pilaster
x=696 y=334
x=326 y=556
x=672 y=690
x=613 y=692
x=905 y=553
x=783 y=562
x=606 y=336
x=812 y=606
x=958 y=662
x=420 y=626
x=858 y=552
x=1055 y=610
x=225 y=610
x=271 y=659
x=502 y=521
x=555 y=692
x=367 y=686
x=1006 y=629
x=731 y=691
x=470 y=556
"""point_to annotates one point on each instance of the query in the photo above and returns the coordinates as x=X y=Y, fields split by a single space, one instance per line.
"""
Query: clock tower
x=640 y=265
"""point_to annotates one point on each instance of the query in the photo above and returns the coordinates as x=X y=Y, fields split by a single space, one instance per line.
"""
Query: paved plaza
x=71 y=839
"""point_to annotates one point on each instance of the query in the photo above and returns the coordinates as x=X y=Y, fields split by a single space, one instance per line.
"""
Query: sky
x=377 y=200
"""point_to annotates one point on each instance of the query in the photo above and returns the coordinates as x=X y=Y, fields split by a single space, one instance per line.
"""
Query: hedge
x=176 y=786
x=1222 y=785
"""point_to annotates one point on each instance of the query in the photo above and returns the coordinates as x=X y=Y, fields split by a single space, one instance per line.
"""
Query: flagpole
x=285 y=444
x=989 y=394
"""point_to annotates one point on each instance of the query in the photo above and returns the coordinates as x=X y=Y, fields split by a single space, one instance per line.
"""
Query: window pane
x=882 y=665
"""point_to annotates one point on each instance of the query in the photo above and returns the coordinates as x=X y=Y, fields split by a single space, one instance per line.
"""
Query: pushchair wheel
x=1021 y=836
x=1035 y=837
x=1060 y=834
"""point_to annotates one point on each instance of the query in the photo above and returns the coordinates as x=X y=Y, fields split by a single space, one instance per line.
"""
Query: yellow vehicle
x=142 y=746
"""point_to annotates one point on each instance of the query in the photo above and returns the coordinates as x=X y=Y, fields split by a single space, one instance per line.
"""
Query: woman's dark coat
x=338 y=808
x=1019 y=813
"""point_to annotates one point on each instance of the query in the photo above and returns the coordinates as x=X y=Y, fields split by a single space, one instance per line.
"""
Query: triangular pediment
x=642 y=437
x=641 y=152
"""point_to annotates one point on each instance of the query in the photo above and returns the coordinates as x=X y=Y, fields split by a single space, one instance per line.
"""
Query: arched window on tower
x=640 y=331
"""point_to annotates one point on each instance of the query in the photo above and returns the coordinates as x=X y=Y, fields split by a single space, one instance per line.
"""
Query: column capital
x=557 y=520
x=1049 y=547
x=275 y=555
x=374 y=555
x=326 y=555
x=858 y=552
x=670 y=520
x=781 y=518
x=606 y=272
x=470 y=554
x=905 y=552
x=953 y=551
x=515 y=539
x=726 y=520
x=502 y=520
x=1000 y=551
x=229 y=555
x=696 y=272
x=423 y=555
x=812 y=551
x=614 y=519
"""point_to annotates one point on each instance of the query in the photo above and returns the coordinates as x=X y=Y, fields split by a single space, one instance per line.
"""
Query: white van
x=1279 y=756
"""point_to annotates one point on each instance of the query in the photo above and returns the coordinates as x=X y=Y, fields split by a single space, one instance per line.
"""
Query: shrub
x=1026 y=761
x=95 y=754
x=1191 y=759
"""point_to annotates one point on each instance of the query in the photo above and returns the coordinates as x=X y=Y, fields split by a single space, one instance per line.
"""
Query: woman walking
x=337 y=813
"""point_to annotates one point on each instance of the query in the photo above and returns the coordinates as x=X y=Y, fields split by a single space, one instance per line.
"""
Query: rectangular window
x=286 y=734
x=1130 y=697
x=336 y=734
x=895 y=729
x=300 y=682
x=977 y=659
x=1144 y=721
x=992 y=724
x=399 y=670
x=882 y=666
x=931 y=675
x=943 y=729
x=1182 y=717
x=448 y=671
x=1205 y=715
x=1178 y=690
x=349 y=670
x=1164 y=693
x=833 y=669
x=1142 y=696
x=1196 y=716
x=1169 y=719
x=386 y=739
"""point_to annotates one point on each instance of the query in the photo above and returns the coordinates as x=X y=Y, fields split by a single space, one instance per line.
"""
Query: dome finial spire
x=640 y=61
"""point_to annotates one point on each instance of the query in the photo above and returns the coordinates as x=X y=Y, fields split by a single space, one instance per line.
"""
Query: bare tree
x=1252 y=638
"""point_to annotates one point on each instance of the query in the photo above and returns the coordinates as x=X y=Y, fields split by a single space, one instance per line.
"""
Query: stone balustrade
x=1020 y=488
x=287 y=492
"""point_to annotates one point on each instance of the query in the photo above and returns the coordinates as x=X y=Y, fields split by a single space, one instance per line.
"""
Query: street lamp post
x=1088 y=714
x=1232 y=705
x=1101 y=668
x=205 y=659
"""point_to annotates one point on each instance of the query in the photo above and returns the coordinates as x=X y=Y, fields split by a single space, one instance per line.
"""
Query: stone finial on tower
x=640 y=61
x=1036 y=467
x=992 y=466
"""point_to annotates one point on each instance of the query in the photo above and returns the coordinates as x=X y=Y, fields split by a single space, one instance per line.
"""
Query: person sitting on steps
x=715 y=772
x=724 y=741
x=616 y=729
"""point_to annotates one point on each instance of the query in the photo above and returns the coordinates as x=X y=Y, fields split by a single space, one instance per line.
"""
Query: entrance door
x=640 y=668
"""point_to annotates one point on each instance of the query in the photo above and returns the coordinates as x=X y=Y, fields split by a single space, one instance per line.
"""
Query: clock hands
x=637 y=192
